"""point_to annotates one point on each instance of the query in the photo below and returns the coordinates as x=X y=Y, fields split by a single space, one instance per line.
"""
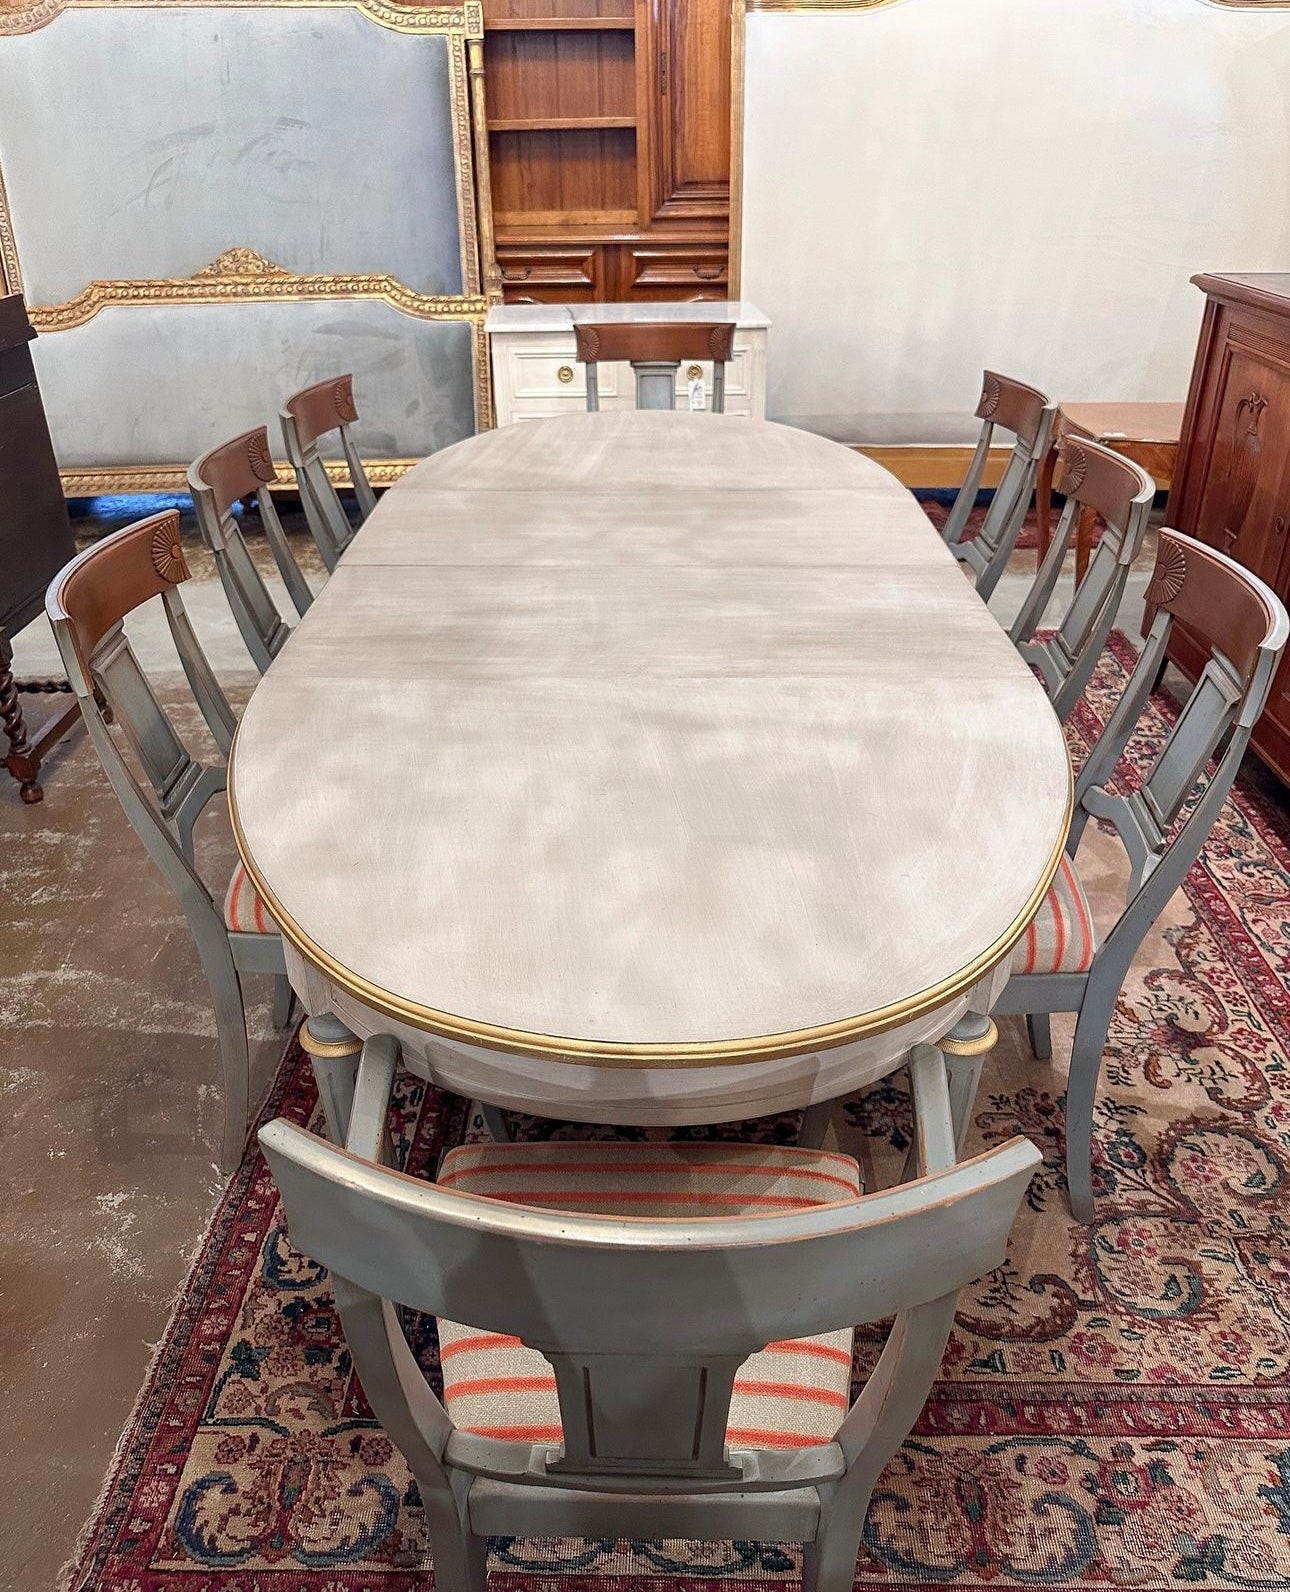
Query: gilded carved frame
x=241 y=274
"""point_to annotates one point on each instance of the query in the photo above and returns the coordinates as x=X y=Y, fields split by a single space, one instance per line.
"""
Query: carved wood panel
x=1247 y=494
x=1232 y=484
x=690 y=110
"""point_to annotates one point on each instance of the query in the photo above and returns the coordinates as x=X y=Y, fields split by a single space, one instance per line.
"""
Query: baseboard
x=932 y=465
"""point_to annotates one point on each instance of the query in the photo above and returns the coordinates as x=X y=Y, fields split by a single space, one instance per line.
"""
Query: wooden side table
x=1146 y=433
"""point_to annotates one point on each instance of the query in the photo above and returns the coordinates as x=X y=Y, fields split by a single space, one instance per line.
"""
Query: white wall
x=941 y=185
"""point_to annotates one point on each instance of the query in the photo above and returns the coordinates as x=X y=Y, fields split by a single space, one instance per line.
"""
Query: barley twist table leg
x=22 y=760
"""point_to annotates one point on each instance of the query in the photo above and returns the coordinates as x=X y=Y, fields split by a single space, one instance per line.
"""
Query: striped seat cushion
x=244 y=911
x=1061 y=937
x=790 y=1395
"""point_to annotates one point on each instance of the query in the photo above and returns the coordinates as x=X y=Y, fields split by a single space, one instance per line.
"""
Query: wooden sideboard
x=1232 y=482
x=536 y=372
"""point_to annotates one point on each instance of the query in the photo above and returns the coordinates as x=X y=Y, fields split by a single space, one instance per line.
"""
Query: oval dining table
x=649 y=768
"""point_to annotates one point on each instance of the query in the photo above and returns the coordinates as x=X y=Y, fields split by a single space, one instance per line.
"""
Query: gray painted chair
x=655 y=350
x=87 y=603
x=238 y=469
x=1060 y=966
x=1028 y=415
x=307 y=416
x=1095 y=478
x=636 y=1390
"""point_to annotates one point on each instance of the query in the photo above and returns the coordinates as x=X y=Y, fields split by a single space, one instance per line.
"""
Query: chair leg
x=460 y=1557
x=284 y=999
x=235 y=1059
x=1039 y=1029
x=815 y=1124
x=1081 y=1097
x=829 y=1563
x=496 y=1122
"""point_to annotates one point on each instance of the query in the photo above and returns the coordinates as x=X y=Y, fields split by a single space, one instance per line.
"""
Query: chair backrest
x=1244 y=624
x=1093 y=478
x=307 y=416
x=87 y=603
x=1028 y=415
x=655 y=350
x=242 y=468
x=644 y=1321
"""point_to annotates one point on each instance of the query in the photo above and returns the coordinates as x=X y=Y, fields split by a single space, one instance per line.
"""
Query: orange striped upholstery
x=244 y=911
x=1061 y=937
x=791 y=1395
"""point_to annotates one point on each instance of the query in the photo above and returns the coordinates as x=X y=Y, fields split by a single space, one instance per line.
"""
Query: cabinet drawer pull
x=565 y=373
x=709 y=273
x=693 y=372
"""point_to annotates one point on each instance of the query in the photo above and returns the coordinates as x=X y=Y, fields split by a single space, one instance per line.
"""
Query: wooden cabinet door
x=684 y=100
x=1244 y=507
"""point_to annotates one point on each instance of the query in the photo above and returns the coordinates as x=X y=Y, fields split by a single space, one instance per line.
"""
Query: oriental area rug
x=1114 y=1409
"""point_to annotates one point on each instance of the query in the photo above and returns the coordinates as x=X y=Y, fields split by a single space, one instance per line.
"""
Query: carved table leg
x=965 y=1048
x=335 y=1051
x=23 y=761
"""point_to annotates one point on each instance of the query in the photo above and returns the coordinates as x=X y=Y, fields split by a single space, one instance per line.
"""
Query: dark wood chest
x=35 y=537
x=1231 y=487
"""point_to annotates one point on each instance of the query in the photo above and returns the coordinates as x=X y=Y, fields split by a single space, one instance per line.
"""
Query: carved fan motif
x=1074 y=467
x=589 y=340
x=342 y=395
x=991 y=392
x=1168 y=577
x=168 y=553
x=257 y=456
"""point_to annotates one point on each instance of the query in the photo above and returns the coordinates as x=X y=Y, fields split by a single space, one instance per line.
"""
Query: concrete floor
x=109 y=1078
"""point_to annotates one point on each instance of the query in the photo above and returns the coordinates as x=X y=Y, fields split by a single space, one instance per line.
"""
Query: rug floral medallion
x=1115 y=1402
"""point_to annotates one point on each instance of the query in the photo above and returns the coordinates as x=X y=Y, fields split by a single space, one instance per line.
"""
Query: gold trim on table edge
x=79 y=483
x=627 y=1054
x=243 y=275
x=466 y=19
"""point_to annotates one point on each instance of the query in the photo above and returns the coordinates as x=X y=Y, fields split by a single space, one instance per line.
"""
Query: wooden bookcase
x=609 y=143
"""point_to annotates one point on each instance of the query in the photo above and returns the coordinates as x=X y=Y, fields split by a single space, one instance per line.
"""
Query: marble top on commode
x=558 y=317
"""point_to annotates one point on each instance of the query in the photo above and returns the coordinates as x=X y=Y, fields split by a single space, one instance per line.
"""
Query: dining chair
x=312 y=413
x=1093 y=479
x=87 y=603
x=640 y=1340
x=1162 y=819
x=239 y=469
x=1027 y=415
x=655 y=350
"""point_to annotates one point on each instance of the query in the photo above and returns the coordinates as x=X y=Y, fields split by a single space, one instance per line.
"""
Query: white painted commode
x=535 y=373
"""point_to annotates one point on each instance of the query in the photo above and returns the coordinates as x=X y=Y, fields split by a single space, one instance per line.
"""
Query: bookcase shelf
x=561 y=25
x=556 y=124
x=609 y=139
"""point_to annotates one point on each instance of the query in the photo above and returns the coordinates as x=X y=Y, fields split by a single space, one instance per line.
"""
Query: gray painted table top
x=656 y=738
